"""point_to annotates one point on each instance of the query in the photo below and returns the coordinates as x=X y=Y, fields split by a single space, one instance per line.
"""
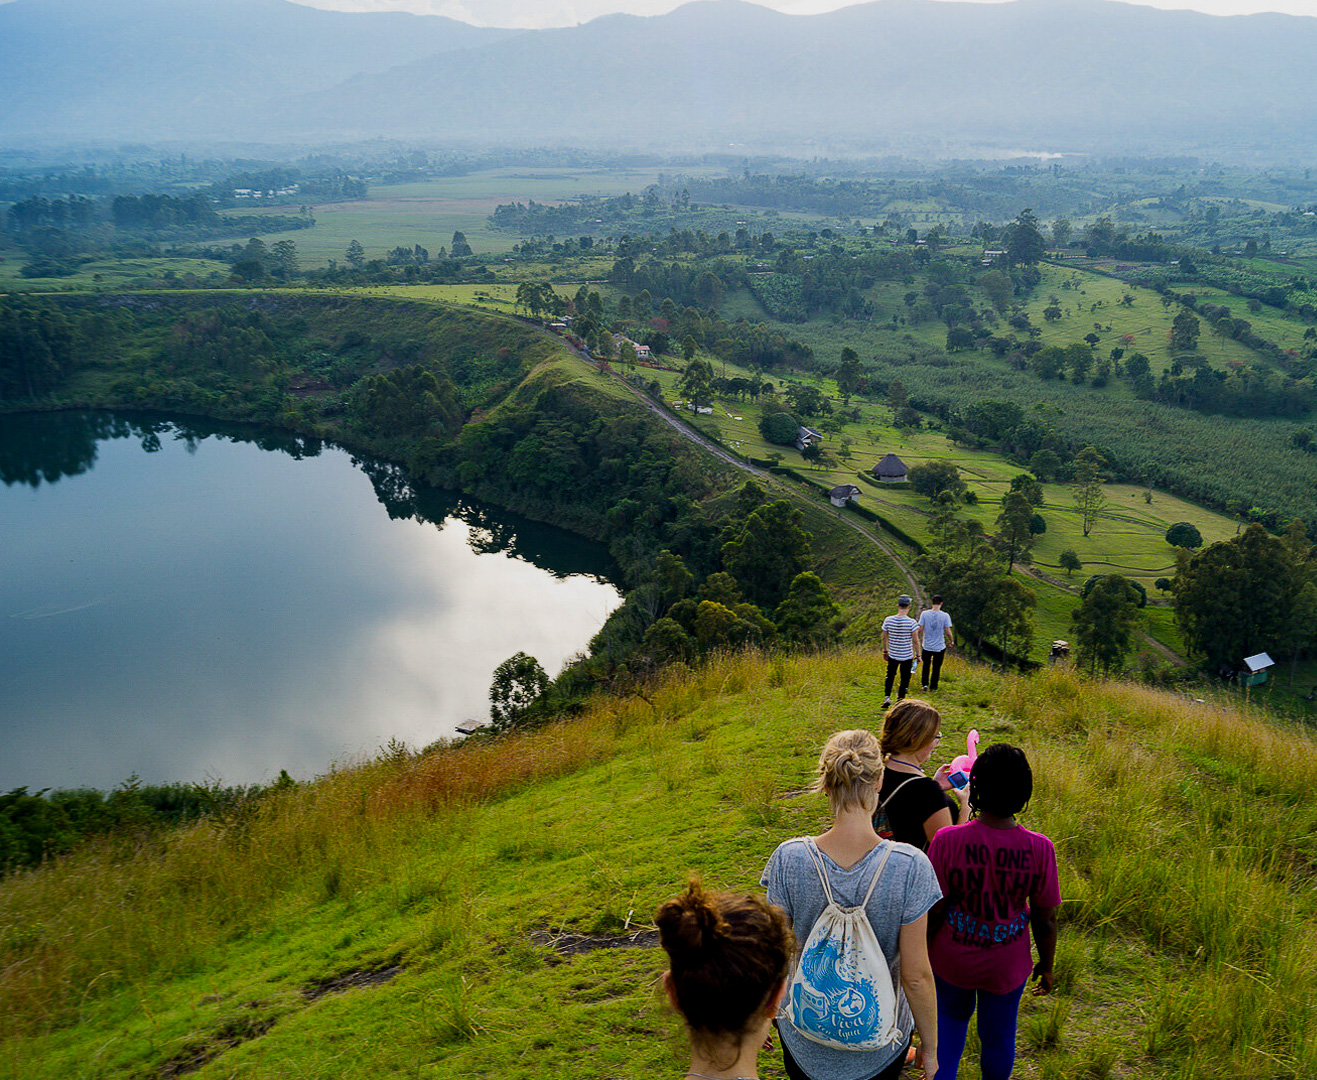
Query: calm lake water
x=187 y=601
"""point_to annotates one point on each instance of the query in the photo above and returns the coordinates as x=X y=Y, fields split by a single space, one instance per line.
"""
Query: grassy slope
x=1185 y=834
x=1129 y=538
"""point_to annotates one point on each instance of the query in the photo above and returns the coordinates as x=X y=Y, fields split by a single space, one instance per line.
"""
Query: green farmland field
x=429 y=213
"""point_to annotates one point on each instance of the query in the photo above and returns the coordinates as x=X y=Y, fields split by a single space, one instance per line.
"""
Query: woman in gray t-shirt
x=850 y=773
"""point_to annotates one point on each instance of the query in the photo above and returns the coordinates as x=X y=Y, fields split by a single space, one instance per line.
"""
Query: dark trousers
x=905 y=667
x=997 y=1017
x=931 y=668
x=891 y=1072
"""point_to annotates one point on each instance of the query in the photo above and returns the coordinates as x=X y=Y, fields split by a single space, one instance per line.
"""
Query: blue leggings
x=997 y=1014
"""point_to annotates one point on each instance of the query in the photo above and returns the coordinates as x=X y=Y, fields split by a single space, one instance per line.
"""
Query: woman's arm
x=1042 y=920
x=937 y=915
x=939 y=820
x=917 y=982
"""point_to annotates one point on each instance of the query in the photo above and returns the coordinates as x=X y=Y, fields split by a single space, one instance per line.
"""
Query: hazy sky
x=541 y=13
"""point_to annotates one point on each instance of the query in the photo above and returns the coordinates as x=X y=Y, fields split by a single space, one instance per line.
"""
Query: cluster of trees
x=1222 y=322
x=1245 y=391
x=1024 y=438
x=659 y=323
x=37 y=212
x=409 y=402
x=685 y=285
x=581 y=215
x=993 y=607
x=37 y=825
x=228 y=340
x=331 y=185
x=253 y=262
x=803 y=287
x=764 y=592
x=36 y=351
x=157 y=213
x=1252 y=593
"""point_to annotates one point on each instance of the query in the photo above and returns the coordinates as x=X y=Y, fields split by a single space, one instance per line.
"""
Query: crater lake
x=182 y=600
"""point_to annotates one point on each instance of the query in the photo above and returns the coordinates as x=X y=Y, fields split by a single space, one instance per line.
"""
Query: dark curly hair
x=1001 y=781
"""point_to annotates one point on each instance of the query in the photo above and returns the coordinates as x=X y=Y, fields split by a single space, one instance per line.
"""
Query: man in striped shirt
x=899 y=648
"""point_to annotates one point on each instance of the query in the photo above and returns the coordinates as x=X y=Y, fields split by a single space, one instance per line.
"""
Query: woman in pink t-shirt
x=998 y=880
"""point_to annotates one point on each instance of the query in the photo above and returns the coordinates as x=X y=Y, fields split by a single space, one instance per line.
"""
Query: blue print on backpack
x=825 y=1002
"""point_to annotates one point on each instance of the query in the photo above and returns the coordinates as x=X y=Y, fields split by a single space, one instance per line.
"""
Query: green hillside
x=438 y=915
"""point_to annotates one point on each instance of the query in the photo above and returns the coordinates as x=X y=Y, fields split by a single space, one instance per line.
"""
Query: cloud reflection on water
x=261 y=612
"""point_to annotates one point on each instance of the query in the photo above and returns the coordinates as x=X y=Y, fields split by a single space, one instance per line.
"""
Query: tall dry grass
x=127 y=907
x=1194 y=825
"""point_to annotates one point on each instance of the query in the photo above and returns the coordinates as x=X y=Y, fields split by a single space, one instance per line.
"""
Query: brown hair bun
x=728 y=952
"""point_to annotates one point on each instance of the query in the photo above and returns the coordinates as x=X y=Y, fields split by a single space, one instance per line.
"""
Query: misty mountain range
x=894 y=76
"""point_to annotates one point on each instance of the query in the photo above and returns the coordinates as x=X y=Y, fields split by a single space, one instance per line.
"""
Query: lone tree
x=459 y=248
x=518 y=683
x=697 y=382
x=1024 y=243
x=1184 y=332
x=1029 y=487
x=1070 y=561
x=1184 y=534
x=1104 y=623
x=934 y=477
x=808 y=616
x=848 y=374
x=779 y=428
x=1015 y=535
x=1089 y=497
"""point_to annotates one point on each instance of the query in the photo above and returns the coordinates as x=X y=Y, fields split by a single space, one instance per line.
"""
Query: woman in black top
x=911 y=805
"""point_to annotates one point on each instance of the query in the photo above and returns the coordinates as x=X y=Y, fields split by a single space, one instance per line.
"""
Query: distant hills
x=898 y=76
x=191 y=69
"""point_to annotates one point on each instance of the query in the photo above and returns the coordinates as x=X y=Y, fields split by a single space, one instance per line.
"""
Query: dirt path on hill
x=763 y=475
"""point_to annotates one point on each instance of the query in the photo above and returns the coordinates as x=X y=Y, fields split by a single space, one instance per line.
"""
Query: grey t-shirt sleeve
x=771 y=881
x=921 y=888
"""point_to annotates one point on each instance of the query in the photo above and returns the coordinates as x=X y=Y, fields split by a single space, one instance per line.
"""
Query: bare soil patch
x=357 y=978
x=575 y=944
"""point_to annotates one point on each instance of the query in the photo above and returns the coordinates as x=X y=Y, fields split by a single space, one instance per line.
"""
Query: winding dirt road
x=763 y=475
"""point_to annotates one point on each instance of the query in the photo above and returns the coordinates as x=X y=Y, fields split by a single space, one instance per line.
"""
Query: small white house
x=807 y=437
x=843 y=494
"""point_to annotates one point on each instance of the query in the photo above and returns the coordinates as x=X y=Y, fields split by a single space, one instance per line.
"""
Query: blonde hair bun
x=850 y=769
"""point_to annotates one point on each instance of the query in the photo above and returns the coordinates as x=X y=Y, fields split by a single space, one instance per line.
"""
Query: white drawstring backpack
x=841 y=992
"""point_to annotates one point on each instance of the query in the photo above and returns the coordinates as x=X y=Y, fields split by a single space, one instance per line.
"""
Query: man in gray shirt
x=934 y=640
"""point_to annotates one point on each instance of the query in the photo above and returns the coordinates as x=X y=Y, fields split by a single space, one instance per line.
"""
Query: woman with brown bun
x=913 y=804
x=729 y=955
x=900 y=885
